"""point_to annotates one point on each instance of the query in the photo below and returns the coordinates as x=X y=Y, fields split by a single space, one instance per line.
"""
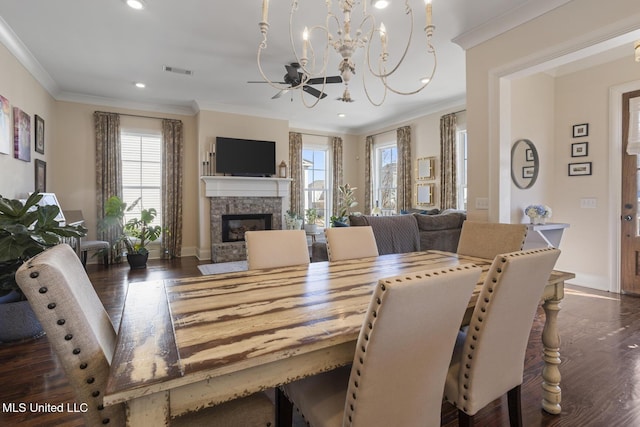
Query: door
x=630 y=229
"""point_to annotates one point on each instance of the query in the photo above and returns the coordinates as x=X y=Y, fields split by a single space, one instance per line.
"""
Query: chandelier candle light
x=346 y=44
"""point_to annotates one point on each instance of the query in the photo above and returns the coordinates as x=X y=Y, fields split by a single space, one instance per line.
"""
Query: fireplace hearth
x=234 y=226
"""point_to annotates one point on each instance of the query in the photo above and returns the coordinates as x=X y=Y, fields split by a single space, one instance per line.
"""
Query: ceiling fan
x=293 y=78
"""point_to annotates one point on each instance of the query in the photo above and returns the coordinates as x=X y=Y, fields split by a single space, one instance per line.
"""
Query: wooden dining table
x=190 y=343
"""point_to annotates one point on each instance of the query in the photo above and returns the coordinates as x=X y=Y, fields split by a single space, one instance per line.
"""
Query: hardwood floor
x=600 y=360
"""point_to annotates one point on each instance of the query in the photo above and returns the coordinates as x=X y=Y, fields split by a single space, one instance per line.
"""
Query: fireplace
x=234 y=226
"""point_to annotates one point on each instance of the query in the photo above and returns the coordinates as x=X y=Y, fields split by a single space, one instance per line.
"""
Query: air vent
x=177 y=70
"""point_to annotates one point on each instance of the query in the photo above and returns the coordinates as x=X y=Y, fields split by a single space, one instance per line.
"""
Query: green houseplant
x=311 y=215
x=346 y=201
x=135 y=234
x=26 y=229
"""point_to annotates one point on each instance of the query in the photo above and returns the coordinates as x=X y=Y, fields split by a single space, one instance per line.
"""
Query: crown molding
x=24 y=56
x=186 y=110
x=508 y=21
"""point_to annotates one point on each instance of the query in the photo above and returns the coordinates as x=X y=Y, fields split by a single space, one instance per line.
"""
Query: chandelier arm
x=264 y=77
x=366 y=91
x=409 y=11
x=304 y=102
x=424 y=85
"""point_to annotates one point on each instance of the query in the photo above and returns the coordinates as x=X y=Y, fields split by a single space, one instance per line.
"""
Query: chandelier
x=313 y=67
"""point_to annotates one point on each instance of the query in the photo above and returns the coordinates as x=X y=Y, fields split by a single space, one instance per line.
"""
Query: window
x=315 y=162
x=385 y=176
x=461 y=140
x=142 y=172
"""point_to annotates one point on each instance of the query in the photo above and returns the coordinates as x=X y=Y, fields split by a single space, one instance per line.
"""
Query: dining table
x=185 y=344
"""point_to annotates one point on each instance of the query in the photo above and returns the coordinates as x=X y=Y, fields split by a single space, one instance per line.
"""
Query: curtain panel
x=172 y=165
x=108 y=170
x=404 y=181
x=336 y=153
x=368 y=182
x=295 y=165
x=448 y=159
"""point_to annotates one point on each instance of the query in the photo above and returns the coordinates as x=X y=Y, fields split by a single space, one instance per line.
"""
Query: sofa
x=409 y=232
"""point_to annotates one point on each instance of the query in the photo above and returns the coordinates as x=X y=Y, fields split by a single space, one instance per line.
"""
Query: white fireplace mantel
x=242 y=186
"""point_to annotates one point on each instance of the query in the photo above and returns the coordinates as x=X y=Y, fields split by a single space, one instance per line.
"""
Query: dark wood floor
x=600 y=360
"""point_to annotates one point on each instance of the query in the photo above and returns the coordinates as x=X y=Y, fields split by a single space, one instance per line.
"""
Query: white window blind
x=142 y=172
x=633 y=142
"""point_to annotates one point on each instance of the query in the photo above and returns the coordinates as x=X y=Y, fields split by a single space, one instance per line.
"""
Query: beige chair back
x=492 y=356
x=404 y=348
x=77 y=326
x=350 y=243
x=486 y=240
x=276 y=248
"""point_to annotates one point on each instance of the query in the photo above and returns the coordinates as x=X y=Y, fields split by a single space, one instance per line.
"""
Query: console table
x=544 y=235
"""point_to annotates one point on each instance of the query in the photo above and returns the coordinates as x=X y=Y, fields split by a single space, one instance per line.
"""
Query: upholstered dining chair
x=401 y=359
x=276 y=248
x=488 y=358
x=83 y=337
x=486 y=239
x=350 y=242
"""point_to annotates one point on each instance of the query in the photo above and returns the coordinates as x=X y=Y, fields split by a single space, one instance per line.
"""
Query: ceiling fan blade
x=262 y=81
x=319 y=80
x=292 y=72
x=279 y=94
x=313 y=91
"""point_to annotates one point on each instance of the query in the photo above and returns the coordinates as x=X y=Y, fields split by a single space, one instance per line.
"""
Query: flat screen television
x=245 y=157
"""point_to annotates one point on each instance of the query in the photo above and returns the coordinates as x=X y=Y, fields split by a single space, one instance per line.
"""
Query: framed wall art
x=528 y=171
x=579 y=169
x=579 y=149
x=528 y=154
x=41 y=176
x=39 y=131
x=21 y=135
x=5 y=126
x=425 y=168
x=581 y=130
x=425 y=194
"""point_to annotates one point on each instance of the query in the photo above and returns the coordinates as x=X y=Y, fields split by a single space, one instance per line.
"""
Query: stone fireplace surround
x=242 y=195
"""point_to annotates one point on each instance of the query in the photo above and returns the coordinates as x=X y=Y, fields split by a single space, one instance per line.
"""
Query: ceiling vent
x=177 y=70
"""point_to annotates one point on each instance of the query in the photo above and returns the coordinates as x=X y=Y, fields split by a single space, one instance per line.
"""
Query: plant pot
x=18 y=322
x=137 y=261
x=311 y=228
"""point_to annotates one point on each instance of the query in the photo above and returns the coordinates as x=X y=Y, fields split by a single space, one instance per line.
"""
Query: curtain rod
x=138 y=115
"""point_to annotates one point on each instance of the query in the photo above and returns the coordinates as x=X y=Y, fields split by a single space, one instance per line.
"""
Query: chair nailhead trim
x=34 y=274
x=100 y=407
x=61 y=322
x=83 y=366
x=68 y=337
x=43 y=290
x=51 y=306
x=106 y=421
x=76 y=351
x=90 y=380
x=95 y=393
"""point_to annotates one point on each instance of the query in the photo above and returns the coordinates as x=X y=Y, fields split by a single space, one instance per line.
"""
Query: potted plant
x=135 y=234
x=347 y=200
x=293 y=221
x=311 y=215
x=26 y=229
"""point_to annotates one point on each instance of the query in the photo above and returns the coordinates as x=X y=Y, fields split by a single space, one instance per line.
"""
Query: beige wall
x=579 y=98
x=24 y=92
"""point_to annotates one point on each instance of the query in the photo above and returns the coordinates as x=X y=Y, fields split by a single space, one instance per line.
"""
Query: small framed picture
x=528 y=154
x=39 y=134
x=528 y=171
x=581 y=130
x=579 y=149
x=41 y=176
x=578 y=169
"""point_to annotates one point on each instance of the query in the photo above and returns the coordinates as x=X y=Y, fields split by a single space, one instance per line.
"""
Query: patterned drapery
x=108 y=169
x=336 y=152
x=368 y=183
x=404 y=182
x=295 y=165
x=448 y=158
x=172 y=161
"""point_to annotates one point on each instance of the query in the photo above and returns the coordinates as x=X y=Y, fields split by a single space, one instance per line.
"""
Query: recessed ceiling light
x=135 y=4
x=425 y=80
x=341 y=115
x=140 y=85
x=380 y=4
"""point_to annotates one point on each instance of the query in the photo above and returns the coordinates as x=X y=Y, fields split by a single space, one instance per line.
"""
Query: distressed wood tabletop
x=175 y=333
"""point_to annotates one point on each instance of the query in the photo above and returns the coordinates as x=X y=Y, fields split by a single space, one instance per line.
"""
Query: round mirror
x=524 y=164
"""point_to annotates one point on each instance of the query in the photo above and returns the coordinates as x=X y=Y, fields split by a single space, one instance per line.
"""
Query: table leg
x=551 y=393
x=150 y=410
